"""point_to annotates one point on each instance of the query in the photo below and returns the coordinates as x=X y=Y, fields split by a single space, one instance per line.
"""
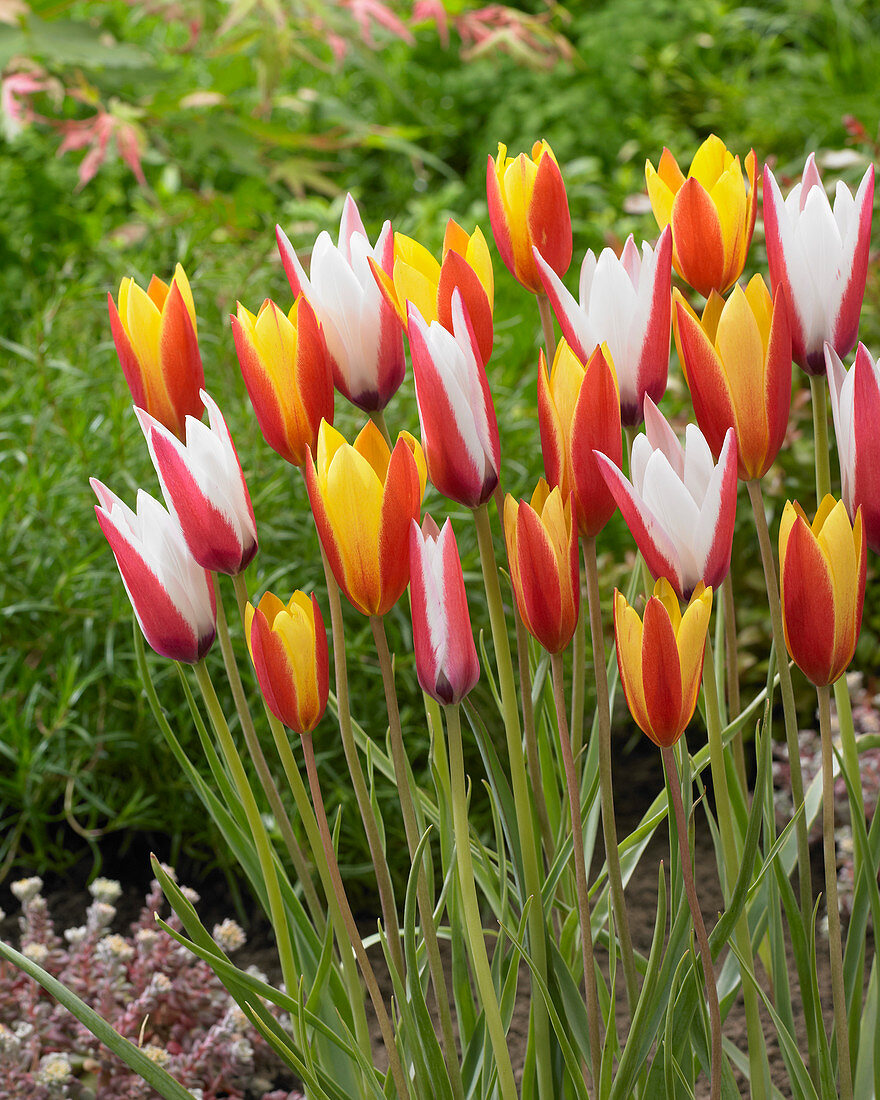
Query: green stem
x=831 y=902
x=549 y=331
x=578 y=669
x=471 y=910
x=580 y=869
x=378 y=418
x=732 y=676
x=850 y=756
x=820 y=436
x=606 y=787
x=521 y=797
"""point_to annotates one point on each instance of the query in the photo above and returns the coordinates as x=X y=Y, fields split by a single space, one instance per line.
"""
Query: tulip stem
x=831 y=902
x=521 y=798
x=732 y=675
x=606 y=787
x=378 y=418
x=788 y=704
x=410 y=823
x=549 y=331
x=687 y=874
x=356 y=941
x=820 y=436
x=578 y=666
x=580 y=869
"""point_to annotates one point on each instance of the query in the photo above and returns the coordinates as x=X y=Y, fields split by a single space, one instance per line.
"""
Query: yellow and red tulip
x=711 y=211
x=661 y=659
x=737 y=361
x=156 y=339
x=528 y=208
x=822 y=584
x=288 y=645
x=286 y=369
x=542 y=548
x=363 y=498
x=578 y=414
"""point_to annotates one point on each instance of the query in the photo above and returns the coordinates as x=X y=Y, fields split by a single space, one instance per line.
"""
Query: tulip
x=205 y=489
x=457 y=417
x=172 y=596
x=737 y=361
x=418 y=278
x=579 y=413
x=624 y=303
x=446 y=658
x=362 y=331
x=528 y=208
x=711 y=213
x=155 y=336
x=661 y=659
x=822 y=581
x=288 y=645
x=363 y=497
x=820 y=256
x=542 y=548
x=287 y=372
x=855 y=406
x=680 y=507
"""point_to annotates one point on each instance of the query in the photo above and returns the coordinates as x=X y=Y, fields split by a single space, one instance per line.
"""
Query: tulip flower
x=542 y=548
x=711 y=211
x=155 y=335
x=528 y=208
x=457 y=417
x=661 y=659
x=418 y=278
x=679 y=506
x=362 y=331
x=822 y=584
x=363 y=497
x=624 y=303
x=446 y=657
x=286 y=369
x=172 y=596
x=579 y=413
x=205 y=489
x=737 y=361
x=855 y=405
x=288 y=645
x=820 y=256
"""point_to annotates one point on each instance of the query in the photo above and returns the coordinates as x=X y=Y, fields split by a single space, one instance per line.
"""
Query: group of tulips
x=595 y=389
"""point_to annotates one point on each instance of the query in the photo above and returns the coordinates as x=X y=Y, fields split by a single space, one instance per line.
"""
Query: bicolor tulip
x=363 y=332
x=286 y=369
x=456 y=413
x=579 y=414
x=679 y=506
x=172 y=596
x=661 y=659
x=822 y=584
x=156 y=339
x=624 y=303
x=446 y=657
x=205 y=489
x=542 y=549
x=418 y=278
x=528 y=208
x=711 y=210
x=855 y=405
x=737 y=361
x=288 y=645
x=820 y=256
x=363 y=498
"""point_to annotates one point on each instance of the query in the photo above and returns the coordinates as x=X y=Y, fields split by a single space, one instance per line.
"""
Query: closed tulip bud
x=155 y=335
x=711 y=211
x=542 y=548
x=288 y=645
x=737 y=361
x=528 y=208
x=172 y=596
x=363 y=498
x=822 y=584
x=661 y=659
x=286 y=369
x=820 y=256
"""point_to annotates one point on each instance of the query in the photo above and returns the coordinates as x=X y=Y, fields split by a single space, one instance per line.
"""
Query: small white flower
x=105 y=889
x=27 y=888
